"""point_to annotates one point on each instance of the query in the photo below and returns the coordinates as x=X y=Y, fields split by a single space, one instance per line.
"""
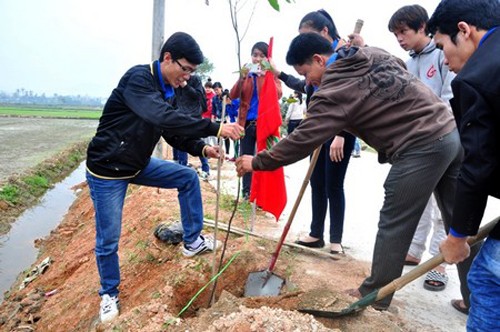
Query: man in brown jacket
x=369 y=93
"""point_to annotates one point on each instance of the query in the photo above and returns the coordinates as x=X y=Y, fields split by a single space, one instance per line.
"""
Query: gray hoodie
x=429 y=67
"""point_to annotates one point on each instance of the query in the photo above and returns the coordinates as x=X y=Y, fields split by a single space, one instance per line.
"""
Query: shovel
x=400 y=282
x=266 y=283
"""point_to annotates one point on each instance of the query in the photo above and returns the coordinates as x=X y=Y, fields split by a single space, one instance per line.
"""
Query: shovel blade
x=263 y=283
x=330 y=314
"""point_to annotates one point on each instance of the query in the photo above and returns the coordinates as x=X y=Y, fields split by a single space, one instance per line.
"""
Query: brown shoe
x=460 y=306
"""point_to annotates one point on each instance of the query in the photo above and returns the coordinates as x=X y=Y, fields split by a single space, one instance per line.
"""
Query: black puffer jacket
x=135 y=116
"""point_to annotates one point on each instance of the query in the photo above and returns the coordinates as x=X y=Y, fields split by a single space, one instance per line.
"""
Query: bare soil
x=158 y=282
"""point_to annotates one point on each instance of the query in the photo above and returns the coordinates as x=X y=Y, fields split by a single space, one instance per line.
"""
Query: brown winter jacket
x=246 y=94
x=371 y=95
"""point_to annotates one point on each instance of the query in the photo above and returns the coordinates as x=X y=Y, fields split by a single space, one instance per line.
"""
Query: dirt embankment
x=27 y=190
x=158 y=282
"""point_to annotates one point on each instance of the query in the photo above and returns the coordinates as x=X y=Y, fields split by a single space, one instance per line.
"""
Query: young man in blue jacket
x=136 y=114
x=467 y=31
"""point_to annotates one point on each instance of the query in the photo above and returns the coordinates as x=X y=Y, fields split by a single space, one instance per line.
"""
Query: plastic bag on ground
x=169 y=233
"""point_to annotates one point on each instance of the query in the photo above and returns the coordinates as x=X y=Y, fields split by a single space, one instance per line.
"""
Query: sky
x=83 y=47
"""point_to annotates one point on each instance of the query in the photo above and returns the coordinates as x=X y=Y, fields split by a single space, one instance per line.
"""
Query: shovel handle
x=400 y=282
x=303 y=188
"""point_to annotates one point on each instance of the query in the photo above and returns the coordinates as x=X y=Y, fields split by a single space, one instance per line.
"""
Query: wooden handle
x=358 y=26
x=312 y=164
x=400 y=282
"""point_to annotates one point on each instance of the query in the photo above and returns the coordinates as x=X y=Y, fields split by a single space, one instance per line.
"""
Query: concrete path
x=364 y=198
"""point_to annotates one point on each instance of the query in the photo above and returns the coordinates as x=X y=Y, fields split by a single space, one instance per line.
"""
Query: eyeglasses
x=185 y=69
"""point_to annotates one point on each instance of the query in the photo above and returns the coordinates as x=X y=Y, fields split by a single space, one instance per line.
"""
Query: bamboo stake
x=217 y=201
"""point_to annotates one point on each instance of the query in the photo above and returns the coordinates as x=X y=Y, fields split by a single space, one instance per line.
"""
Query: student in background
x=217 y=106
x=295 y=112
x=356 y=152
x=408 y=24
x=327 y=179
x=232 y=112
x=190 y=97
x=247 y=88
x=207 y=114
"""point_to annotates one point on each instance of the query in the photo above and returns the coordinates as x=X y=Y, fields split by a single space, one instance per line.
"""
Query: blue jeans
x=205 y=167
x=357 y=146
x=108 y=197
x=327 y=190
x=181 y=157
x=484 y=284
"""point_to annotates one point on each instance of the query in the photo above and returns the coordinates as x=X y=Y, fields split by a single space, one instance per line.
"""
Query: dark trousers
x=327 y=190
x=248 y=147
x=292 y=124
x=227 y=144
x=236 y=148
x=415 y=174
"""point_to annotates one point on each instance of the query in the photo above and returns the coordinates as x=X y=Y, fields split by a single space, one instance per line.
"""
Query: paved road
x=364 y=197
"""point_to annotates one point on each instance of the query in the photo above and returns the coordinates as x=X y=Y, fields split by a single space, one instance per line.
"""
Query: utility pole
x=158 y=28
x=157 y=43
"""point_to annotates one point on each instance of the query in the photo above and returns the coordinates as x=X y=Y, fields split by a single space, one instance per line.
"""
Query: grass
x=9 y=193
x=227 y=202
x=142 y=244
x=133 y=257
x=35 y=182
x=64 y=113
x=20 y=192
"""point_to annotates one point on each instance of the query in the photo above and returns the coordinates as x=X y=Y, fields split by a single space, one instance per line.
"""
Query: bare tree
x=273 y=3
x=235 y=6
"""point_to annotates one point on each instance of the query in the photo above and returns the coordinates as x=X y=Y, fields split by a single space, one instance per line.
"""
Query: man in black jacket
x=467 y=32
x=136 y=114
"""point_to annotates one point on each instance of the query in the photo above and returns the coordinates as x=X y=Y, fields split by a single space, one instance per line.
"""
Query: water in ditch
x=17 y=249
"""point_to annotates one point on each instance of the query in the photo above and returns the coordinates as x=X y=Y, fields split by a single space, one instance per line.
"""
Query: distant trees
x=204 y=69
x=23 y=96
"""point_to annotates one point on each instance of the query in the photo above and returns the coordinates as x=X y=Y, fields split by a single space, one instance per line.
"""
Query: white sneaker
x=207 y=244
x=204 y=176
x=110 y=308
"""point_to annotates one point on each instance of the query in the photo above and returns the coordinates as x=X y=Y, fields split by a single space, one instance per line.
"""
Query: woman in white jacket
x=295 y=112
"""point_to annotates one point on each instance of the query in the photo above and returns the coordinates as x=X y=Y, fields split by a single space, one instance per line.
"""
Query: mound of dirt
x=162 y=290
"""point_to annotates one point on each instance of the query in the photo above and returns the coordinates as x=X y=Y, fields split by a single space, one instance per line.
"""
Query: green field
x=60 y=113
